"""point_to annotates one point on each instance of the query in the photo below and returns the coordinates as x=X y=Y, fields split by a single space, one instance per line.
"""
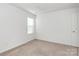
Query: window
x=30 y=25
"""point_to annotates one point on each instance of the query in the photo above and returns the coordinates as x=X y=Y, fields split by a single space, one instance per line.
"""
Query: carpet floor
x=42 y=48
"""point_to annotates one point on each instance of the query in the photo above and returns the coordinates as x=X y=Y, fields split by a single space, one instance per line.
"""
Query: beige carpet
x=42 y=48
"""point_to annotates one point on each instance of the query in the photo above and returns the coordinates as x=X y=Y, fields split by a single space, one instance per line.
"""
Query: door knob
x=73 y=31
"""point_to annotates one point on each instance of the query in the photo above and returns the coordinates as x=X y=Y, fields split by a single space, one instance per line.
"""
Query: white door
x=74 y=30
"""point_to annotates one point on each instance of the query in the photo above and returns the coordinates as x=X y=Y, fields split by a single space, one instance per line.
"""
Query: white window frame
x=30 y=25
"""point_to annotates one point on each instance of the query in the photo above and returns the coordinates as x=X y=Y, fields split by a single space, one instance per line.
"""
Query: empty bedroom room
x=39 y=29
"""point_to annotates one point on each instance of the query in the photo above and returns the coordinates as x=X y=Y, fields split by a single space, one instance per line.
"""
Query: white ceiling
x=39 y=8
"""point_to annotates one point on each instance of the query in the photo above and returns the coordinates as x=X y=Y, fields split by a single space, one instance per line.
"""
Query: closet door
x=74 y=28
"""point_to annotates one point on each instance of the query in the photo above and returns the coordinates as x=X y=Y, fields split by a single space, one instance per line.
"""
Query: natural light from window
x=30 y=25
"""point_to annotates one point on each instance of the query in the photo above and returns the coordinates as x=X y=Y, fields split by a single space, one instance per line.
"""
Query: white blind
x=30 y=25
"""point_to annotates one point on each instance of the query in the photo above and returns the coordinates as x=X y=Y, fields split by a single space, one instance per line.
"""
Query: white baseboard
x=15 y=46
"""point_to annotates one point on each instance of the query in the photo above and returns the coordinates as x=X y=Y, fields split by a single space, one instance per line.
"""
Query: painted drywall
x=13 y=27
x=78 y=23
x=58 y=26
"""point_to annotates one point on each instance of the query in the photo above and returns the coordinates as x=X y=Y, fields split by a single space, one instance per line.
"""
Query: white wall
x=78 y=23
x=13 y=27
x=58 y=26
